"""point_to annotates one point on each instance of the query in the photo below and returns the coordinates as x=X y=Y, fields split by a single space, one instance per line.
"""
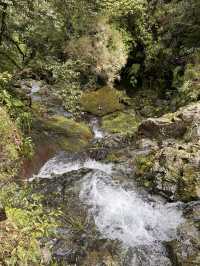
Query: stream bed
x=119 y=224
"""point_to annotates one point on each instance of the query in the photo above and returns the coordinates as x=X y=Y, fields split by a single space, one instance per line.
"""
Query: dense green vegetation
x=83 y=51
x=26 y=223
x=92 y=39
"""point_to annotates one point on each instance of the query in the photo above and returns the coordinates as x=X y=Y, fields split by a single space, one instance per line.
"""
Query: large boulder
x=67 y=133
x=172 y=170
x=121 y=123
x=162 y=127
x=101 y=102
x=52 y=134
x=173 y=125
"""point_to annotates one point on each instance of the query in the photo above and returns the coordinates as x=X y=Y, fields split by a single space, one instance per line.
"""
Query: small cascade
x=140 y=224
x=122 y=214
x=98 y=132
x=119 y=213
x=36 y=86
x=61 y=164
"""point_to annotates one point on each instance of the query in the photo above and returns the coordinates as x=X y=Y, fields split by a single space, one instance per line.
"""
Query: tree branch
x=17 y=46
x=3 y=21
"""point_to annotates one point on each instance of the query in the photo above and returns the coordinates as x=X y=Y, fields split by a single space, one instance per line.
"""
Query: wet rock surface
x=185 y=250
x=172 y=170
x=172 y=165
x=79 y=240
x=115 y=195
x=76 y=241
x=166 y=127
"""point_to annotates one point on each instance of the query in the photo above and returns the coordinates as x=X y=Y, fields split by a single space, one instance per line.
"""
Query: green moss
x=179 y=173
x=67 y=133
x=10 y=142
x=120 y=122
x=143 y=167
x=39 y=109
x=101 y=102
x=114 y=157
x=144 y=163
x=68 y=127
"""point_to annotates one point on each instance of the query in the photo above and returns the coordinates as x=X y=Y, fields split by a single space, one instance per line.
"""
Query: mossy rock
x=10 y=142
x=116 y=156
x=67 y=133
x=143 y=165
x=101 y=102
x=171 y=170
x=39 y=109
x=120 y=122
x=189 y=184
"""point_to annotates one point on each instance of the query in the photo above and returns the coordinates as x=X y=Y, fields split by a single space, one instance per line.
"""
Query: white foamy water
x=98 y=133
x=58 y=166
x=36 y=86
x=121 y=214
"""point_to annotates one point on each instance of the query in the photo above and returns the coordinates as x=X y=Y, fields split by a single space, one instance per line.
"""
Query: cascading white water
x=60 y=165
x=36 y=86
x=98 y=133
x=119 y=214
x=122 y=214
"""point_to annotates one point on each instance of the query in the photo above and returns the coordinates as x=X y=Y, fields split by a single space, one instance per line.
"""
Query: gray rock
x=173 y=124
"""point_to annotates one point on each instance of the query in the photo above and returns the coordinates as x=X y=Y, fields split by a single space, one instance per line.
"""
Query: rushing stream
x=120 y=211
x=122 y=214
x=98 y=133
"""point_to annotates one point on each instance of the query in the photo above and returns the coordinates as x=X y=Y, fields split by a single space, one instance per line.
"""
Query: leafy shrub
x=102 y=51
x=15 y=107
x=27 y=222
x=10 y=142
x=188 y=85
x=67 y=85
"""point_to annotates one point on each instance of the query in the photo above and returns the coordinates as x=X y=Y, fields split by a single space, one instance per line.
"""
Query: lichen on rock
x=174 y=171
